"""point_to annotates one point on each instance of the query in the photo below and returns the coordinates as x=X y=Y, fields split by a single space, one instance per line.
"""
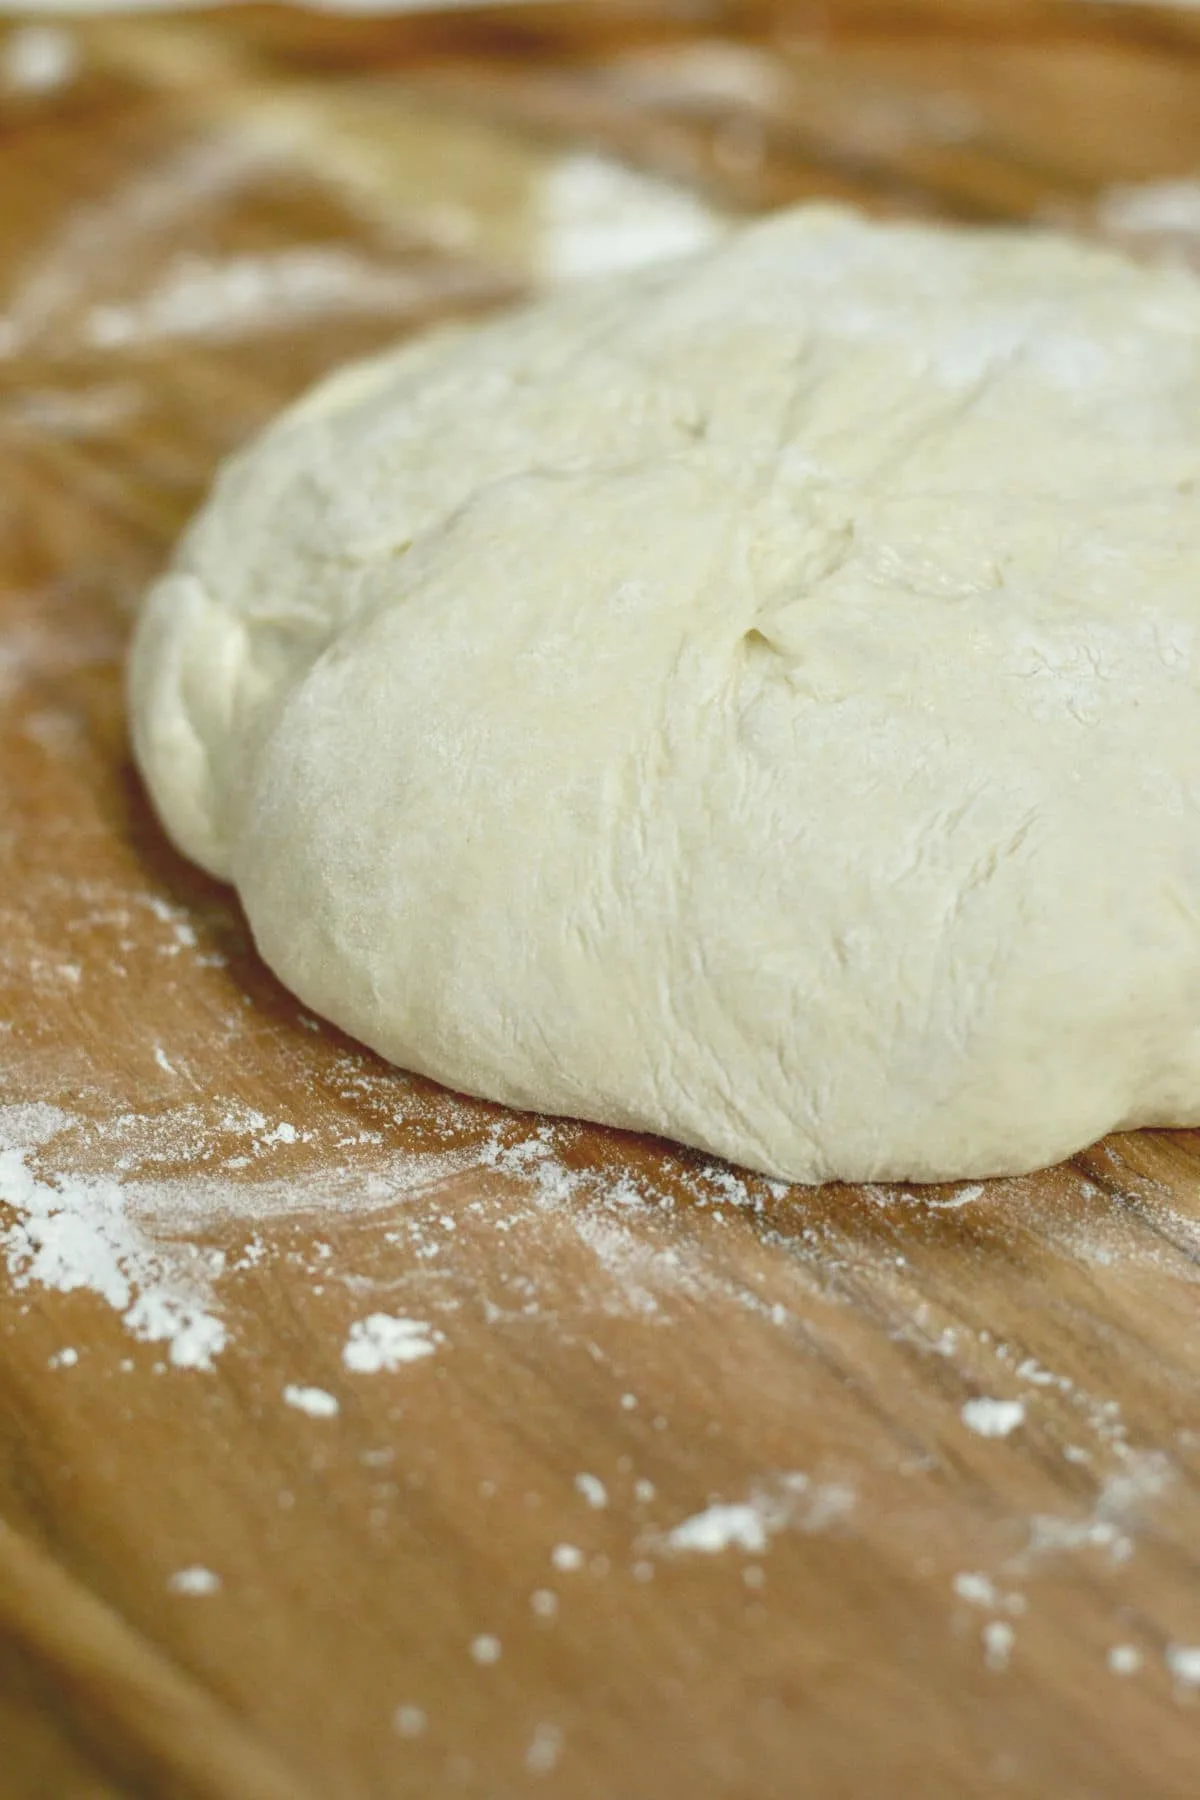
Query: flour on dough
x=754 y=701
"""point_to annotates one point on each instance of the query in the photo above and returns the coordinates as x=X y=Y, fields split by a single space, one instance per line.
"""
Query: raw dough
x=755 y=701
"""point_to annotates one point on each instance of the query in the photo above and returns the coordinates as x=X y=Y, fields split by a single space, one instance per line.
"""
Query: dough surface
x=754 y=701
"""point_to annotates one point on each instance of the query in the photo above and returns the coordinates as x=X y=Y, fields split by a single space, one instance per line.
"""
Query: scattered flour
x=544 y=1750
x=998 y=1640
x=977 y=1589
x=486 y=1650
x=1142 y=1477
x=966 y=1196
x=723 y=1527
x=1124 y=1659
x=993 y=1418
x=980 y=1590
x=593 y=1490
x=786 y=1501
x=381 y=1342
x=69 y=1231
x=47 y=300
x=311 y=1400
x=1183 y=1664
x=194 y=1580
x=410 y=1721
x=1050 y=1535
x=239 y=295
x=37 y=59
x=566 y=1557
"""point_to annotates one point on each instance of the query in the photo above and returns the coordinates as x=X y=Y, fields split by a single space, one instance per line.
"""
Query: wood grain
x=201 y=216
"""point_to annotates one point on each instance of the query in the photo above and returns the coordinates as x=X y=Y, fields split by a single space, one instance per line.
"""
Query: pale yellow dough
x=755 y=701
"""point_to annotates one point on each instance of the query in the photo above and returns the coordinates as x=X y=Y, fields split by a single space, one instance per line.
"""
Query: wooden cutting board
x=666 y=1484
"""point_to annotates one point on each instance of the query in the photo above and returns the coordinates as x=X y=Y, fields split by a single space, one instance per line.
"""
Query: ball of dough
x=754 y=701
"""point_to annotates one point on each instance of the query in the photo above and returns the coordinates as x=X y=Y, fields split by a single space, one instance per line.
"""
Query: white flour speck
x=382 y=1342
x=993 y=1418
x=786 y=1501
x=976 y=1589
x=593 y=1490
x=1124 y=1659
x=544 y=1603
x=721 y=1527
x=194 y=1580
x=63 y=1359
x=283 y=1133
x=1183 y=1664
x=544 y=1750
x=311 y=1400
x=998 y=1640
x=36 y=59
x=980 y=1590
x=566 y=1557
x=486 y=1650
x=409 y=1721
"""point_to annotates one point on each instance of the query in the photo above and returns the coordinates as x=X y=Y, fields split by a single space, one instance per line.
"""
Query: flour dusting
x=67 y=1231
x=1183 y=1663
x=195 y=1580
x=978 y=1589
x=381 y=1342
x=593 y=1490
x=785 y=1501
x=998 y=1640
x=196 y=298
x=311 y=1400
x=37 y=59
x=993 y=1418
x=1110 y=1523
x=545 y=1748
x=410 y=1721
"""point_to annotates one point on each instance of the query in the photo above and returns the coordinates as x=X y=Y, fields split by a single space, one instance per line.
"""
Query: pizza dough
x=755 y=701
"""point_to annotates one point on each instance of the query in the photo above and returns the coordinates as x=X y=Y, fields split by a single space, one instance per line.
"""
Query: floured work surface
x=360 y=1440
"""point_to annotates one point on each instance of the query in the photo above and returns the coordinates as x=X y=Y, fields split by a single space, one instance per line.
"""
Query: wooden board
x=482 y=1574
